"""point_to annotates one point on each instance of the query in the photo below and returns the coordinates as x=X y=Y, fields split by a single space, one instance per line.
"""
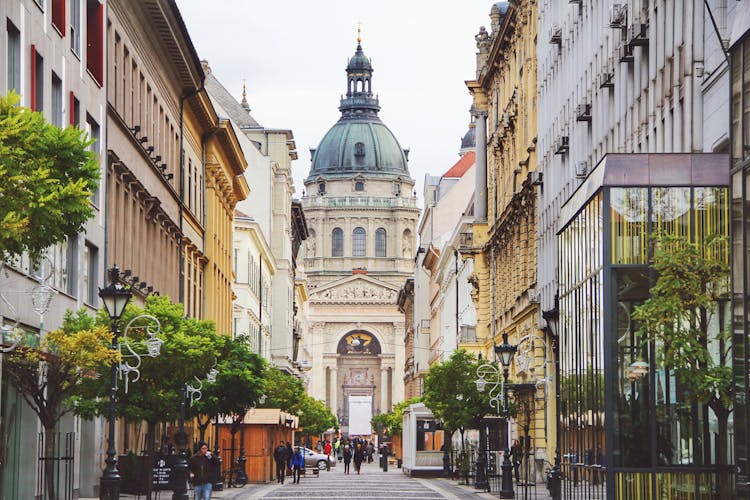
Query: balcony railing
x=360 y=201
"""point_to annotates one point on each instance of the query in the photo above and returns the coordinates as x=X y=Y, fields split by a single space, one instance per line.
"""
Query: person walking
x=347 y=458
x=370 y=451
x=516 y=454
x=359 y=456
x=327 y=450
x=202 y=468
x=297 y=463
x=281 y=457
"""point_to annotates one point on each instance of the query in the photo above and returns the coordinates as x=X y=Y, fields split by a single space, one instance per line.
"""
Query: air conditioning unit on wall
x=618 y=14
x=582 y=169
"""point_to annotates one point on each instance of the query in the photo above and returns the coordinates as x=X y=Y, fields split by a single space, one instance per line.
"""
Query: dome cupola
x=359 y=142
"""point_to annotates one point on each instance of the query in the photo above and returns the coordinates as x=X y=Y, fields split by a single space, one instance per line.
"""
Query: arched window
x=380 y=242
x=359 y=242
x=337 y=242
x=359 y=186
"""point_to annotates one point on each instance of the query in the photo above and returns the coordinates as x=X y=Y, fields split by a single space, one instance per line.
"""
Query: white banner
x=360 y=414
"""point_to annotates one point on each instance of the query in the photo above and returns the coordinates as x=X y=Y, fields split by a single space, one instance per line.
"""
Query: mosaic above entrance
x=358 y=343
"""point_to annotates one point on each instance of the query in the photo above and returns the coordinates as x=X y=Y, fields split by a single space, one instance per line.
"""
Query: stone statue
x=483 y=40
x=406 y=245
x=311 y=247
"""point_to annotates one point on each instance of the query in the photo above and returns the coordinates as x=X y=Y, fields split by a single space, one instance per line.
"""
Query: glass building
x=739 y=61
x=626 y=428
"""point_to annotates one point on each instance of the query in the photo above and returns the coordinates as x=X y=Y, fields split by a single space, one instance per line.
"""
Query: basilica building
x=361 y=213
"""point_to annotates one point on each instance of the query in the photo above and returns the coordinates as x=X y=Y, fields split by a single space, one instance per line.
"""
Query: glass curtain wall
x=627 y=428
x=740 y=139
x=582 y=409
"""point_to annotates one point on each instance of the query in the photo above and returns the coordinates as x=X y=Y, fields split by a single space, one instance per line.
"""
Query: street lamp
x=505 y=352
x=180 y=473
x=115 y=297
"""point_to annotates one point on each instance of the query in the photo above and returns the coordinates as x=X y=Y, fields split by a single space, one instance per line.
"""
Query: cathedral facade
x=361 y=213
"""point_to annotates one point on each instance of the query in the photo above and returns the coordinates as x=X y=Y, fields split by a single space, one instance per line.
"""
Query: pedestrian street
x=371 y=484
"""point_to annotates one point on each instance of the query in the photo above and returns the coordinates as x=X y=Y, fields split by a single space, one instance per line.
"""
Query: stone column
x=383 y=389
x=480 y=181
x=334 y=389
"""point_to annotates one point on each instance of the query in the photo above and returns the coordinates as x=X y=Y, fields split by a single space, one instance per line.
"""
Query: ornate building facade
x=361 y=216
x=505 y=99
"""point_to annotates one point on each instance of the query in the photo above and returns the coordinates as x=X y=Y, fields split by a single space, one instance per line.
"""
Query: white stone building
x=362 y=215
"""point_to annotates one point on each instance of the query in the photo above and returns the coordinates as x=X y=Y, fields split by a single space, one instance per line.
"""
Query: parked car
x=315 y=459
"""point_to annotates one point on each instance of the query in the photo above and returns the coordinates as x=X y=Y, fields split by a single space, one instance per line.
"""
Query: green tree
x=288 y=393
x=393 y=420
x=450 y=392
x=239 y=384
x=190 y=349
x=46 y=377
x=48 y=175
x=682 y=320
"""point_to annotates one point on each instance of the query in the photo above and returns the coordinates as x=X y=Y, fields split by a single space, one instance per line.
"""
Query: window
x=359 y=242
x=93 y=130
x=380 y=242
x=337 y=242
x=359 y=186
x=75 y=110
x=94 y=42
x=57 y=97
x=359 y=149
x=14 y=57
x=91 y=273
x=71 y=266
x=75 y=26
x=58 y=15
x=37 y=80
x=321 y=188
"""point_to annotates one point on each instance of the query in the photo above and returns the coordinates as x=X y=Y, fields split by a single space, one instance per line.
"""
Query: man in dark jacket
x=202 y=468
x=281 y=457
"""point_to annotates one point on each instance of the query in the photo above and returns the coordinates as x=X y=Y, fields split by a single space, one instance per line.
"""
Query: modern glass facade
x=740 y=189
x=626 y=427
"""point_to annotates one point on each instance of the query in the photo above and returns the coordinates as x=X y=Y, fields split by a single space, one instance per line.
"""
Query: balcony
x=359 y=202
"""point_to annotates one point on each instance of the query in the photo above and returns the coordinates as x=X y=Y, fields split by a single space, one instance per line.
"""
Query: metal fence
x=54 y=479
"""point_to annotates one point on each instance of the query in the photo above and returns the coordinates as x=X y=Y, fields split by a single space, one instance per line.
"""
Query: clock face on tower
x=359 y=342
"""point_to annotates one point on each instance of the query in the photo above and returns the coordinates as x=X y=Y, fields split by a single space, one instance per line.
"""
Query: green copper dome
x=359 y=142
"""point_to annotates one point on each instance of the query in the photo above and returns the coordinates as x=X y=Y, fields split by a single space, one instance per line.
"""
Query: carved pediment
x=356 y=290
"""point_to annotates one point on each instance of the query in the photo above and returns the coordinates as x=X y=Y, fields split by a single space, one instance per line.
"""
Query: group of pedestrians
x=286 y=457
x=357 y=450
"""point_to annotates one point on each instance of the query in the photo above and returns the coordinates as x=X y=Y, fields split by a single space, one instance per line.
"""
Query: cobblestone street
x=372 y=483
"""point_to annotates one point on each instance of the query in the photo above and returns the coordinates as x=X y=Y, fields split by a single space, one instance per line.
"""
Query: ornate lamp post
x=115 y=297
x=505 y=352
x=180 y=472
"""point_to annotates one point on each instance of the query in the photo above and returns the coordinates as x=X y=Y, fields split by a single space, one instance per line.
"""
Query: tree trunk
x=723 y=482
x=49 y=463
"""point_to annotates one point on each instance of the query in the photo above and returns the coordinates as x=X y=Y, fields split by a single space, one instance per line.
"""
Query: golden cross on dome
x=359 y=31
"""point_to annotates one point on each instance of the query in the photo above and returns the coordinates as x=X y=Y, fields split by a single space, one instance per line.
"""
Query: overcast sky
x=293 y=54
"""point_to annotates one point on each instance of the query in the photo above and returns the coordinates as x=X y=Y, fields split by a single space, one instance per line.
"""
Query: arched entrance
x=362 y=388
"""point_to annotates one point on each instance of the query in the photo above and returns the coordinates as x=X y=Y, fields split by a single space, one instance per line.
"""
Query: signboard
x=360 y=414
x=162 y=471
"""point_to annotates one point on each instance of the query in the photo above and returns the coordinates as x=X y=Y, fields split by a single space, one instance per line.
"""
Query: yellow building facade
x=504 y=247
x=225 y=186
x=210 y=193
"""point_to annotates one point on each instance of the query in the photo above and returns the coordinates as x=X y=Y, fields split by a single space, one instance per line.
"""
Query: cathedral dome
x=359 y=142
x=359 y=146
